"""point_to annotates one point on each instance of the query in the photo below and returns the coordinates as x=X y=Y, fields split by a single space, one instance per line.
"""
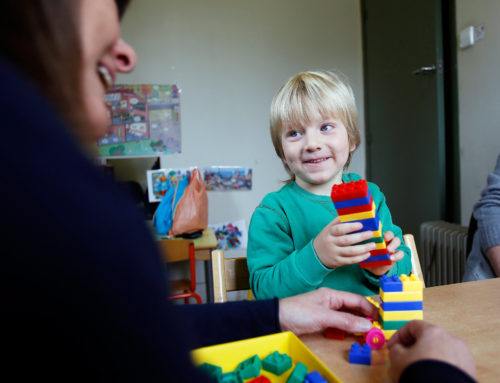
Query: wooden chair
x=415 y=262
x=229 y=274
x=178 y=250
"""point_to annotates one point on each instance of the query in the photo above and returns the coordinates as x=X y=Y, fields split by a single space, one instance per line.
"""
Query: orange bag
x=191 y=213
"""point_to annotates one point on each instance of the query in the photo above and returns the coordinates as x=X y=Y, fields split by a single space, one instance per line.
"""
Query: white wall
x=479 y=99
x=229 y=57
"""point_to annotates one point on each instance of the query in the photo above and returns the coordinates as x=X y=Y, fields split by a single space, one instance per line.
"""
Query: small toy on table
x=354 y=203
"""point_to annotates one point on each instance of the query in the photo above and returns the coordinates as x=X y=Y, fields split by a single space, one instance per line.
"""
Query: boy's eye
x=293 y=133
x=326 y=127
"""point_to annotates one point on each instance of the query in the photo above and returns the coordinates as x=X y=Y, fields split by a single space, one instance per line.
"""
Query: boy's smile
x=316 y=153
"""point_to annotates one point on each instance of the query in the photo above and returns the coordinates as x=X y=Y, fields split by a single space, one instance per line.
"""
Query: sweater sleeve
x=434 y=371
x=487 y=211
x=276 y=268
x=404 y=265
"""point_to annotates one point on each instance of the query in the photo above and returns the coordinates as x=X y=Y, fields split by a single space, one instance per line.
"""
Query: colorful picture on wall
x=231 y=235
x=144 y=121
x=160 y=180
x=227 y=178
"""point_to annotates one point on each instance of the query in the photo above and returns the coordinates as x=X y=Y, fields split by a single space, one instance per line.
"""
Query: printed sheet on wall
x=144 y=121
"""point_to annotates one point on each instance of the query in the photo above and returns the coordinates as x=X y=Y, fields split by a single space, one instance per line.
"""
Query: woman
x=83 y=287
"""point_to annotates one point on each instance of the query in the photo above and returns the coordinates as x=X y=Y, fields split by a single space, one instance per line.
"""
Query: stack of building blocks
x=401 y=301
x=354 y=203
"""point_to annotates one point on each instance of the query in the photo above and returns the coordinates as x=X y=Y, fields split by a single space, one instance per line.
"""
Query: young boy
x=296 y=241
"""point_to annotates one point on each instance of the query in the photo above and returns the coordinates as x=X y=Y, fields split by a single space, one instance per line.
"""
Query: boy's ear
x=352 y=148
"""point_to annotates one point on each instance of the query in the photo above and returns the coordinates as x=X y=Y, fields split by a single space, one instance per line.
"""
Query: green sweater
x=281 y=257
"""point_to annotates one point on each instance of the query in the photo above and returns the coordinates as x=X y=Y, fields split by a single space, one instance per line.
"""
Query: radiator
x=442 y=252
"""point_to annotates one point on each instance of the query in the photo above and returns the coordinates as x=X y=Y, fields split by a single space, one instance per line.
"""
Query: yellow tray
x=229 y=355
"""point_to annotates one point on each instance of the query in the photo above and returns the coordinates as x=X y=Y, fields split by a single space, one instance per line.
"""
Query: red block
x=349 y=190
x=378 y=252
x=355 y=209
x=334 y=333
x=374 y=264
x=260 y=379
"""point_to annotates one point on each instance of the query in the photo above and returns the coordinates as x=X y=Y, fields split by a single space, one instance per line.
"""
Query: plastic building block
x=366 y=264
x=367 y=200
x=376 y=258
x=298 y=374
x=375 y=338
x=315 y=377
x=334 y=333
x=378 y=252
x=349 y=190
x=358 y=208
x=392 y=283
x=401 y=315
x=360 y=354
x=260 y=379
x=411 y=283
x=402 y=306
x=231 y=377
x=250 y=368
x=405 y=296
x=212 y=370
x=369 y=224
x=277 y=363
x=393 y=325
x=373 y=239
x=359 y=216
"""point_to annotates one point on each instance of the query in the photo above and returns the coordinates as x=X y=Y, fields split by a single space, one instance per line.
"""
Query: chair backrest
x=415 y=262
x=229 y=274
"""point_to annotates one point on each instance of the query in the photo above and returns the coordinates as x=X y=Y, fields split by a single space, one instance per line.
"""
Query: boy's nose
x=312 y=142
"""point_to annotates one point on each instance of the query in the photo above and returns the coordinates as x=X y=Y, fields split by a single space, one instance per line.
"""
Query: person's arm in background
x=423 y=352
x=487 y=214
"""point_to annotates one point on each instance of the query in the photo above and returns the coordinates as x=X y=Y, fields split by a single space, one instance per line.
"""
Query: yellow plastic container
x=229 y=355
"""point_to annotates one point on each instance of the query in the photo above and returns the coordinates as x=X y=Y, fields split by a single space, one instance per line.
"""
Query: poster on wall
x=161 y=180
x=144 y=121
x=231 y=235
x=227 y=178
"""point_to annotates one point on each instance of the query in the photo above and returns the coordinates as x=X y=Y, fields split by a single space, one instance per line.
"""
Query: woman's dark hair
x=40 y=38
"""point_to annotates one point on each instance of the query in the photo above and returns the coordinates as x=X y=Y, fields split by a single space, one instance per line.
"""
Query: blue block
x=375 y=258
x=315 y=377
x=369 y=224
x=353 y=202
x=402 y=306
x=392 y=283
x=360 y=354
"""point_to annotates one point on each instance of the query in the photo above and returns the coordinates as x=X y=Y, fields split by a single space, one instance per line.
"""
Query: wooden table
x=469 y=310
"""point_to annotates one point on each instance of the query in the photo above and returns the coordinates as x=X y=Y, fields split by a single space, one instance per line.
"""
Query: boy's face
x=316 y=153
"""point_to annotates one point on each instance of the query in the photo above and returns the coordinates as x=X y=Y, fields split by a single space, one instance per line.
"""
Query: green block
x=250 y=368
x=298 y=374
x=212 y=370
x=277 y=363
x=231 y=377
x=392 y=324
x=375 y=240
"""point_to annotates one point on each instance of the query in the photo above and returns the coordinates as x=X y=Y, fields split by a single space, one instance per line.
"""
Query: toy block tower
x=401 y=301
x=354 y=203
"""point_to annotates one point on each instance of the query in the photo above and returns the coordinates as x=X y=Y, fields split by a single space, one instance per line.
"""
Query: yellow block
x=379 y=232
x=380 y=245
x=358 y=216
x=401 y=315
x=411 y=283
x=389 y=333
x=405 y=296
x=229 y=355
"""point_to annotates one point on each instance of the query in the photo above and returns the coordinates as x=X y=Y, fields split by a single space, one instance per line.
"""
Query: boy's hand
x=334 y=245
x=392 y=243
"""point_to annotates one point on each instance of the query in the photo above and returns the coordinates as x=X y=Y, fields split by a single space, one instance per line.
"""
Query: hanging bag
x=191 y=213
x=163 y=217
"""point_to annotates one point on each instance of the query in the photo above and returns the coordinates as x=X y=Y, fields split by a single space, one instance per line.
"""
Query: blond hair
x=307 y=95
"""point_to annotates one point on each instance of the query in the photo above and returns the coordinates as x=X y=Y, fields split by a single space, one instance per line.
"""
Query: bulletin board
x=144 y=121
